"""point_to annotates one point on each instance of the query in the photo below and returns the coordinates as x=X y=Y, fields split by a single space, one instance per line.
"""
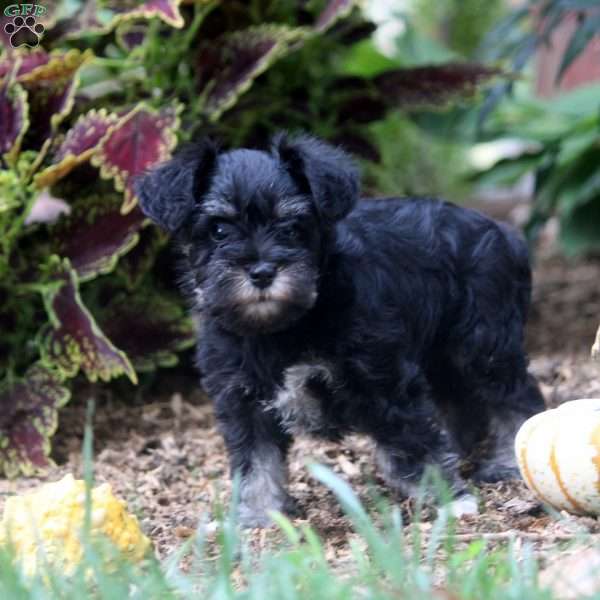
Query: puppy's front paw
x=250 y=518
x=258 y=516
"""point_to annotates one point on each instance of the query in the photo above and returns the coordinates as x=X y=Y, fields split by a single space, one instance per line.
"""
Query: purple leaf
x=165 y=10
x=51 y=91
x=140 y=139
x=139 y=260
x=13 y=118
x=77 y=147
x=335 y=10
x=28 y=418
x=228 y=65
x=131 y=35
x=27 y=62
x=150 y=328
x=361 y=109
x=96 y=234
x=432 y=85
x=357 y=144
x=73 y=340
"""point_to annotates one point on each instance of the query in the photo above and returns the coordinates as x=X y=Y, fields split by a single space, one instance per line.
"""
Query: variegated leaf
x=28 y=60
x=133 y=267
x=228 y=66
x=165 y=10
x=73 y=340
x=78 y=145
x=28 y=419
x=14 y=121
x=139 y=140
x=334 y=11
x=56 y=66
x=95 y=235
x=131 y=34
x=435 y=85
x=150 y=328
x=51 y=89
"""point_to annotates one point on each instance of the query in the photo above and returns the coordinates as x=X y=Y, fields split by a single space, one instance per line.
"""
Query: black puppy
x=399 y=318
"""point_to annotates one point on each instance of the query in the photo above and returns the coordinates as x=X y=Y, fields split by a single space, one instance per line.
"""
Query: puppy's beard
x=248 y=309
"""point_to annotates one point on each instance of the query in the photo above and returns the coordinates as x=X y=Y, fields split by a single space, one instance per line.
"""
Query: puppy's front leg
x=257 y=448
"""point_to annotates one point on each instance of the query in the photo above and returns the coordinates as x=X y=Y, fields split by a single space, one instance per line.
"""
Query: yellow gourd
x=558 y=452
x=46 y=524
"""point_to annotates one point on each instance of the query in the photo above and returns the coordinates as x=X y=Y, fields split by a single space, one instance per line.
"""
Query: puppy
x=321 y=314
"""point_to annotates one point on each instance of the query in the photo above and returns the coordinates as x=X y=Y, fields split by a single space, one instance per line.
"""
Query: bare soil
x=165 y=457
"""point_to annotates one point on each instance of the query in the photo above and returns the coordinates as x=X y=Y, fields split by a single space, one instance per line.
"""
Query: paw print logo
x=24 y=32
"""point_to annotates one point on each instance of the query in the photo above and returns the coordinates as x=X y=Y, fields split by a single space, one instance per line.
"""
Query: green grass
x=388 y=560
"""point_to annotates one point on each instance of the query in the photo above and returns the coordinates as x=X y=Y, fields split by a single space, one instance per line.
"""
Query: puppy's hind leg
x=483 y=411
x=497 y=460
x=406 y=448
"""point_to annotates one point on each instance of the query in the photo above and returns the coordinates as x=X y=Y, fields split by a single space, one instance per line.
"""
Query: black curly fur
x=398 y=318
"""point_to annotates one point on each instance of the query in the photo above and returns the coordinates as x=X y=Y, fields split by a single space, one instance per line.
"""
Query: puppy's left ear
x=168 y=193
x=323 y=171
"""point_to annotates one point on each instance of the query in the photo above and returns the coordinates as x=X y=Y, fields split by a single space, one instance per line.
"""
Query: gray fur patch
x=407 y=486
x=292 y=207
x=298 y=408
x=263 y=489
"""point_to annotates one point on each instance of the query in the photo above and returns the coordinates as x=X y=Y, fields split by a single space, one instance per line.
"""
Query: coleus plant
x=78 y=293
x=53 y=140
x=48 y=333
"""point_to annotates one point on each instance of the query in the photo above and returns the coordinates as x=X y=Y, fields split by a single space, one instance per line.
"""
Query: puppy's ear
x=325 y=172
x=169 y=192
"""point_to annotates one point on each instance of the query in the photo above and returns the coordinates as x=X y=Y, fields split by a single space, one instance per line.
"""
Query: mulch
x=163 y=454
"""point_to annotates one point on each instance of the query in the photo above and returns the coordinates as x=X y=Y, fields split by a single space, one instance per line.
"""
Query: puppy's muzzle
x=262 y=274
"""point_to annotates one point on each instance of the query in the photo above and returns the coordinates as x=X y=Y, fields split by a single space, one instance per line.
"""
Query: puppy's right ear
x=169 y=192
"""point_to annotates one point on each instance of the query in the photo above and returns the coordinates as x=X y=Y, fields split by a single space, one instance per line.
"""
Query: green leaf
x=507 y=171
x=564 y=183
x=580 y=229
x=582 y=36
x=576 y=103
x=364 y=60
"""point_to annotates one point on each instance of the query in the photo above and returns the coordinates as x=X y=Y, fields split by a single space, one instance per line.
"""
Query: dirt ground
x=165 y=457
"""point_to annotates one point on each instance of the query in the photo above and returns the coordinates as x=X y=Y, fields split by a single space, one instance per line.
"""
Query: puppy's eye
x=220 y=230
x=293 y=231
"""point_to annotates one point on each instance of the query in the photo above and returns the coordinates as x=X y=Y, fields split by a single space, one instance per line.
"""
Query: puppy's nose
x=262 y=275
